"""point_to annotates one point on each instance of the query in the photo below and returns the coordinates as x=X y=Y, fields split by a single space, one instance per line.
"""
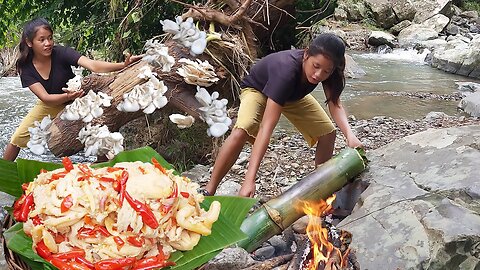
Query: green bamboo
x=279 y=213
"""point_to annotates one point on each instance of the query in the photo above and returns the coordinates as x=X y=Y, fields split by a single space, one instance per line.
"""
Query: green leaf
x=126 y=34
x=18 y=242
x=144 y=154
x=135 y=16
x=29 y=169
x=11 y=183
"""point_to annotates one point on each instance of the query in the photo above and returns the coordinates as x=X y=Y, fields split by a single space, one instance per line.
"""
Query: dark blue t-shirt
x=63 y=58
x=279 y=77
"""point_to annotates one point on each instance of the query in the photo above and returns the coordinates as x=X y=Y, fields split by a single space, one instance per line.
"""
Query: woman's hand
x=131 y=59
x=74 y=94
x=354 y=142
x=247 y=190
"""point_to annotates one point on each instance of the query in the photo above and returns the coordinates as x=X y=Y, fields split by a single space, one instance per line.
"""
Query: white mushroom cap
x=182 y=121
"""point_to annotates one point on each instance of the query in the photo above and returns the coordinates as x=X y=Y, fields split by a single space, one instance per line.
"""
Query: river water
x=398 y=72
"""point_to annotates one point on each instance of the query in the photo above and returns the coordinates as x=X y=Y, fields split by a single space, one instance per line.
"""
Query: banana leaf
x=225 y=232
x=10 y=182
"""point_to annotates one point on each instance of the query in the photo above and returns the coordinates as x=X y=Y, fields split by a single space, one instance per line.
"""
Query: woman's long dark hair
x=332 y=47
x=29 y=31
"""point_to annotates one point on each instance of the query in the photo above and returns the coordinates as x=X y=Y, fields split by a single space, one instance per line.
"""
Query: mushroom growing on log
x=230 y=52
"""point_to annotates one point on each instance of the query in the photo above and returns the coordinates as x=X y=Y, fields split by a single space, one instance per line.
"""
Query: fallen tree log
x=231 y=56
x=279 y=213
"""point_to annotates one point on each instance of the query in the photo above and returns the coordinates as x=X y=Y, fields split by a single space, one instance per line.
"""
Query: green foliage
x=108 y=27
x=472 y=5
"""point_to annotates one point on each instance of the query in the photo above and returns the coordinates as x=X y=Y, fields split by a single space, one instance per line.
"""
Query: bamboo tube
x=279 y=213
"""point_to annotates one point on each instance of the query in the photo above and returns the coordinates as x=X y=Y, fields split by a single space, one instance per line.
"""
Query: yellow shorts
x=306 y=114
x=21 y=136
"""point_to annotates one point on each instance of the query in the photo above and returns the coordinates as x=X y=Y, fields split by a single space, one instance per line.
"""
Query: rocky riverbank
x=289 y=159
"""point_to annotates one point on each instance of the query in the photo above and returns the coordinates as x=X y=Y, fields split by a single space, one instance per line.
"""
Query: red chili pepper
x=61 y=265
x=42 y=250
x=185 y=194
x=113 y=169
x=73 y=265
x=158 y=166
x=59 y=238
x=25 y=186
x=58 y=175
x=37 y=220
x=106 y=179
x=85 y=262
x=43 y=171
x=66 y=204
x=102 y=230
x=151 y=263
x=142 y=170
x=123 y=186
x=118 y=240
x=85 y=170
x=137 y=241
x=72 y=254
x=67 y=163
x=145 y=212
x=92 y=232
x=112 y=264
x=22 y=207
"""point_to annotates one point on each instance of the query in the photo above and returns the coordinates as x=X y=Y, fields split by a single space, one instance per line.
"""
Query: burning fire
x=325 y=254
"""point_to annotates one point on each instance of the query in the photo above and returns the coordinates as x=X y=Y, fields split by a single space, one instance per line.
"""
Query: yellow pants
x=306 y=114
x=21 y=136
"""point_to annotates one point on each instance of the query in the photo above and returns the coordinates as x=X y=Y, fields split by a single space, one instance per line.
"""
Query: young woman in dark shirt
x=45 y=69
x=281 y=83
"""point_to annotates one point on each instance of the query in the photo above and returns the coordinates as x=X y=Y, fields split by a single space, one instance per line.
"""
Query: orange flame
x=322 y=249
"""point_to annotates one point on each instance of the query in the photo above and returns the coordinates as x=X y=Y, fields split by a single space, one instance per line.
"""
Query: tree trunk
x=230 y=56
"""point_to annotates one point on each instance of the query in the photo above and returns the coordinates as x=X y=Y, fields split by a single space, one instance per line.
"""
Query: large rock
x=422 y=208
x=428 y=8
x=459 y=57
x=471 y=104
x=428 y=30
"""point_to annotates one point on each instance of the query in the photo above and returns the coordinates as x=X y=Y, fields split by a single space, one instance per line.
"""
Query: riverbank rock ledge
x=422 y=208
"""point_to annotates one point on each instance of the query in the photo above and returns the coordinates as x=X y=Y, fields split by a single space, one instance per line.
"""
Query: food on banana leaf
x=134 y=214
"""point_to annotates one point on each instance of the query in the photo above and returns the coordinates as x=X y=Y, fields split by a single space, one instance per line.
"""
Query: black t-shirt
x=63 y=58
x=279 y=77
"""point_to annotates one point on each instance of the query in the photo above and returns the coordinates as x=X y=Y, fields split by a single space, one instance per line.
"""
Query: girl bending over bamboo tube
x=281 y=83
x=45 y=69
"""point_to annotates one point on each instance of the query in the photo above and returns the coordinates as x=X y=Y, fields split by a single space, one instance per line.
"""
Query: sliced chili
x=145 y=212
x=85 y=262
x=66 y=204
x=137 y=241
x=67 y=163
x=158 y=166
x=72 y=254
x=111 y=264
x=42 y=250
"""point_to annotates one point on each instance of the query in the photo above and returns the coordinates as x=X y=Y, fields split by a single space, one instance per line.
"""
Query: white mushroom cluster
x=147 y=97
x=74 y=84
x=38 y=136
x=181 y=120
x=213 y=112
x=187 y=34
x=157 y=55
x=197 y=72
x=99 y=141
x=87 y=107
